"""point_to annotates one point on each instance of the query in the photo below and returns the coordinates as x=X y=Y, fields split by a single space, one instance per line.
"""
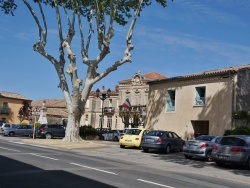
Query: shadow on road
x=16 y=174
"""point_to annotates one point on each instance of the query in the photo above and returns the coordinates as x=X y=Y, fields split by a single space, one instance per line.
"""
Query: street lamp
x=103 y=96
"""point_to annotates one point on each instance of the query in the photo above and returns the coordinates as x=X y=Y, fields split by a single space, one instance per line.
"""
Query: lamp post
x=103 y=96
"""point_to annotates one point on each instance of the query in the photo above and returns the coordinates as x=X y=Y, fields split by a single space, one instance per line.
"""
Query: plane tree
x=91 y=20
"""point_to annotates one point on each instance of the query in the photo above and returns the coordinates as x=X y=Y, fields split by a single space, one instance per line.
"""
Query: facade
x=115 y=115
x=201 y=103
x=10 y=106
x=135 y=89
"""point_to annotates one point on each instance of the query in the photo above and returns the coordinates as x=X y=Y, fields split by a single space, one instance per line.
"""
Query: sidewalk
x=58 y=143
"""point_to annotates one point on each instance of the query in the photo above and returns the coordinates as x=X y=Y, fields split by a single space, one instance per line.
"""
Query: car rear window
x=232 y=141
x=155 y=133
x=133 y=131
x=205 y=138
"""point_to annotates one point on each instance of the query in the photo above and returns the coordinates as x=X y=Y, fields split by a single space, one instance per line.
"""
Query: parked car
x=162 y=140
x=5 y=126
x=19 y=130
x=232 y=149
x=200 y=147
x=49 y=131
x=132 y=137
x=112 y=135
x=1 y=122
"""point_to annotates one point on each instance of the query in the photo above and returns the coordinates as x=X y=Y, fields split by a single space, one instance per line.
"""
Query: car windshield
x=121 y=131
x=133 y=131
x=232 y=141
x=205 y=138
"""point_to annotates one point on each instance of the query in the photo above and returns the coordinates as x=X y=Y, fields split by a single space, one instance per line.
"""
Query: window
x=200 y=97
x=110 y=102
x=4 y=107
x=87 y=104
x=86 y=119
x=170 y=100
x=109 y=122
x=101 y=121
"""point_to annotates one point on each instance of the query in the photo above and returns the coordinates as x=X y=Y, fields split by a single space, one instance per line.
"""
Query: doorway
x=200 y=127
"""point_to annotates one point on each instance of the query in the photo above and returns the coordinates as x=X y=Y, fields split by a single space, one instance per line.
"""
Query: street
x=24 y=165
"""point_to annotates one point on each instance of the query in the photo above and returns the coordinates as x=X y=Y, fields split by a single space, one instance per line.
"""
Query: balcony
x=4 y=110
x=109 y=110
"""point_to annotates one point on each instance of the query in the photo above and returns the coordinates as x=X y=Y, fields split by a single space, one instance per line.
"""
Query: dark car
x=166 y=141
x=49 y=131
x=200 y=147
x=19 y=130
x=232 y=149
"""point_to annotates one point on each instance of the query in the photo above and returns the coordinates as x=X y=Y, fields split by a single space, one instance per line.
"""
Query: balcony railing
x=4 y=111
x=108 y=110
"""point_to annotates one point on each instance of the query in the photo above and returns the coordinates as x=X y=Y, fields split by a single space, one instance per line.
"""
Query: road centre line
x=93 y=168
x=44 y=156
x=9 y=149
x=150 y=182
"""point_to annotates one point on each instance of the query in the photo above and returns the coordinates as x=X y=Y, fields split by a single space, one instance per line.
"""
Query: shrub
x=87 y=130
x=240 y=130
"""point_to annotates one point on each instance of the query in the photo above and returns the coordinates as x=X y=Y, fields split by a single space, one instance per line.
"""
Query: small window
x=170 y=100
x=109 y=122
x=200 y=98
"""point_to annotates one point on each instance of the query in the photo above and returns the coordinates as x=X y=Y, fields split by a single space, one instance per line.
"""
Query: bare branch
x=36 y=20
x=59 y=23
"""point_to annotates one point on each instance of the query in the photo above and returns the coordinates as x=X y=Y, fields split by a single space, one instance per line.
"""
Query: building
x=115 y=115
x=10 y=106
x=202 y=103
x=56 y=111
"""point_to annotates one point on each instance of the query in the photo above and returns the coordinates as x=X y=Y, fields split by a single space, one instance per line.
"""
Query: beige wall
x=217 y=110
x=14 y=105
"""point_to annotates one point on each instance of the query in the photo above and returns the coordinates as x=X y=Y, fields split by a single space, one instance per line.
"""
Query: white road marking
x=44 y=156
x=32 y=145
x=9 y=149
x=93 y=168
x=150 y=182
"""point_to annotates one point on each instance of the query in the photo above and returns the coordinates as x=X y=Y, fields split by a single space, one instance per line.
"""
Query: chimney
x=103 y=88
x=117 y=88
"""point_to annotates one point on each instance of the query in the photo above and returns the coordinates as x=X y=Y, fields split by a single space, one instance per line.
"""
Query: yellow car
x=132 y=137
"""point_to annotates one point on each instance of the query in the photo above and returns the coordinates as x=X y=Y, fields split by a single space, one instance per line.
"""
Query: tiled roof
x=55 y=107
x=147 y=77
x=13 y=95
x=50 y=103
x=209 y=73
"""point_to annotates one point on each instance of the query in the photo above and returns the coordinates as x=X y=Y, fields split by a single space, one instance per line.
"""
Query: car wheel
x=247 y=165
x=209 y=156
x=48 y=136
x=188 y=156
x=122 y=146
x=168 y=149
x=145 y=150
x=116 y=139
x=220 y=163
x=11 y=133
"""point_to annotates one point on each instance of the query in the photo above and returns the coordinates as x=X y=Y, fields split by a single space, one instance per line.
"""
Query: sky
x=187 y=37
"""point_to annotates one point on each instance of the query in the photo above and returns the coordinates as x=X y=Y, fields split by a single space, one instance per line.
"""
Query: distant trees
x=25 y=112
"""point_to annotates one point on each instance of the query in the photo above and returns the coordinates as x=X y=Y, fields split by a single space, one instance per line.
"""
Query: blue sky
x=188 y=36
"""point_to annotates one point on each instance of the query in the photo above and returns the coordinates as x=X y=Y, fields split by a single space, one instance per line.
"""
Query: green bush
x=240 y=130
x=87 y=130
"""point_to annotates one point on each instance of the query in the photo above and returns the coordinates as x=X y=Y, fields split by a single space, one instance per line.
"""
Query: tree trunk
x=72 y=133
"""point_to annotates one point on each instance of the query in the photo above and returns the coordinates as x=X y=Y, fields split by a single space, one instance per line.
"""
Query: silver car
x=112 y=135
x=5 y=126
x=232 y=149
x=201 y=147
x=19 y=130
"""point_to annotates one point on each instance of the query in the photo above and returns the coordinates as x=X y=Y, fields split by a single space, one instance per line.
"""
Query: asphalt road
x=23 y=165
